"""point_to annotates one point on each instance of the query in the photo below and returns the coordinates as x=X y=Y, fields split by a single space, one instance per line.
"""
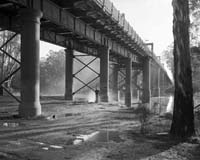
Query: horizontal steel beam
x=89 y=38
x=62 y=19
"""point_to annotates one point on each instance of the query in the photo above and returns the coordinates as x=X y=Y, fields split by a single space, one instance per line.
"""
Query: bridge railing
x=108 y=7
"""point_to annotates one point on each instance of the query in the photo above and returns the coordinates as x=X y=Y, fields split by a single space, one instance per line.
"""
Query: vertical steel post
x=69 y=74
x=146 y=80
x=30 y=67
x=104 y=74
x=115 y=82
x=128 y=92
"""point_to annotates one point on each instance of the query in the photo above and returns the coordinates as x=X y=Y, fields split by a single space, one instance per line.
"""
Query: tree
x=168 y=57
x=183 y=116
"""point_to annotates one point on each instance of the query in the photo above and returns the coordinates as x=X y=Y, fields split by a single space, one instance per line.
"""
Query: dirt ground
x=83 y=131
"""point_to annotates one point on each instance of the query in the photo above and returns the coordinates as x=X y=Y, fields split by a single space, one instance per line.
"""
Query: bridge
x=93 y=27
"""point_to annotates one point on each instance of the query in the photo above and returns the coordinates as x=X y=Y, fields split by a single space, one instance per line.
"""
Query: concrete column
x=115 y=82
x=30 y=67
x=128 y=92
x=68 y=74
x=1 y=91
x=159 y=100
x=104 y=74
x=135 y=90
x=146 y=81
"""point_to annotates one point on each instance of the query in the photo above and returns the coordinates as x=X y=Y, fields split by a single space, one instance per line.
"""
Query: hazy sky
x=151 y=19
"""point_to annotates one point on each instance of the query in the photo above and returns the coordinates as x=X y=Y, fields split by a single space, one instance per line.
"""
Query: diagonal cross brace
x=122 y=73
x=5 y=89
x=85 y=84
x=15 y=71
x=9 y=76
x=135 y=84
x=13 y=36
x=123 y=80
x=6 y=53
x=87 y=65
x=138 y=87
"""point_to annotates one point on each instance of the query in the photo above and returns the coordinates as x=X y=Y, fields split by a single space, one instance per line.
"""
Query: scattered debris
x=5 y=155
x=162 y=133
x=52 y=117
x=40 y=143
x=56 y=147
x=102 y=108
x=72 y=114
x=45 y=148
x=10 y=124
x=98 y=136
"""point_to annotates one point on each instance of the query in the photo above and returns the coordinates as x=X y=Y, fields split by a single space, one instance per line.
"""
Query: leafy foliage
x=52 y=71
x=195 y=22
x=195 y=58
x=195 y=63
x=144 y=114
x=168 y=58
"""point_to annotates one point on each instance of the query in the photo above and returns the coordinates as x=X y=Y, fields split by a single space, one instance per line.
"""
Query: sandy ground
x=73 y=131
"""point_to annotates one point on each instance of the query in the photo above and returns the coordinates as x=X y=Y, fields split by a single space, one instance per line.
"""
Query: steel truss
x=85 y=65
x=3 y=52
x=111 y=74
x=121 y=83
x=135 y=83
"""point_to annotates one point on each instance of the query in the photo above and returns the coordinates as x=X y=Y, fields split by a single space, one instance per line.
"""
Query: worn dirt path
x=112 y=132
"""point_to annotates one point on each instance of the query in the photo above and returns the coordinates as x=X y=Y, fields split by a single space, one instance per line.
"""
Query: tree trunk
x=183 y=116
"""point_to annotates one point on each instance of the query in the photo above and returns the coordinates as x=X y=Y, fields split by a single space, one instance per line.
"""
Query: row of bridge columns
x=104 y=78
x=30 y=73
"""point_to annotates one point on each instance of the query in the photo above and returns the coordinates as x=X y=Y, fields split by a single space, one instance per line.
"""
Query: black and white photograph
x=99 y=79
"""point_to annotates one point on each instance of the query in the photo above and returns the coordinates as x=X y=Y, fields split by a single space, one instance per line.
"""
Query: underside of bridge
x=93 y=27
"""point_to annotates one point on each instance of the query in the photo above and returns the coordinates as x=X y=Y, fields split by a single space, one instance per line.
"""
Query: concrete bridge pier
x=104 y=74
x=135 y=91
x=115 y=83
x=128 y=81
x=159 y=78
x=146 y=81
x=69 y=74
x=30 y=68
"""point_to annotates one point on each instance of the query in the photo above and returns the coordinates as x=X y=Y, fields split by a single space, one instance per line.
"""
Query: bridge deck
x=86 y=25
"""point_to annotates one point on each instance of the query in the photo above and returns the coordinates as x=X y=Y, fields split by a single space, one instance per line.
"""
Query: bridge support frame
x=136 y=87
x=69 y=54
x=104 y=74
x=128 y=82
x=146 y=81
x=115 y=83
x=30 y=67
x=85 y=65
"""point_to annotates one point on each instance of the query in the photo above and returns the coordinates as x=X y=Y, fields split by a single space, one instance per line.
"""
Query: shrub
x=143 y=113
